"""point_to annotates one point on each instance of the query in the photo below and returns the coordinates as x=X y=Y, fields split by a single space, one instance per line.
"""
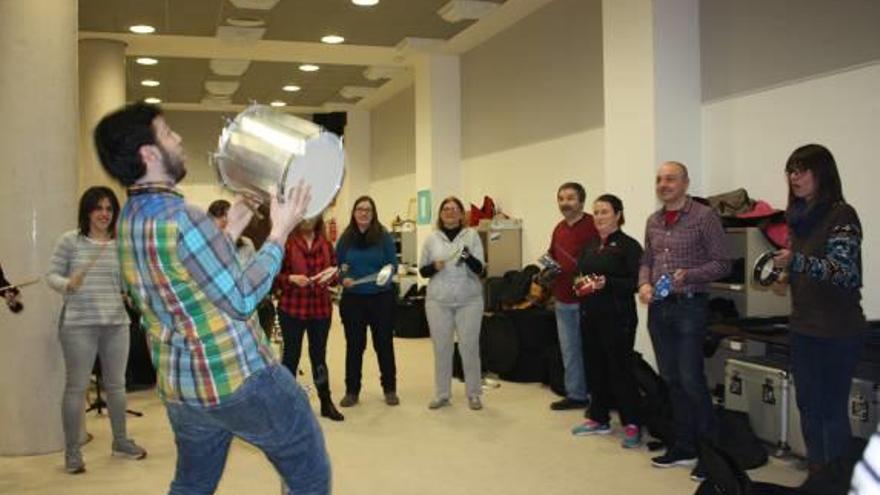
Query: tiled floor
x=516 y=445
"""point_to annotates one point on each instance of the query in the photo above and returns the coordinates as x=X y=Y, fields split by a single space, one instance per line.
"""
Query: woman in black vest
x=827 y=323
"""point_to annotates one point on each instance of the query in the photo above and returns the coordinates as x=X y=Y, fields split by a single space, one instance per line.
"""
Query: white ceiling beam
x=164 y=45
x=233 y=108
x=386 y=91
x=499 y=19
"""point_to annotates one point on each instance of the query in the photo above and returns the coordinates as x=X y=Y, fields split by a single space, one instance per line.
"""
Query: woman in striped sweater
x=85 y=270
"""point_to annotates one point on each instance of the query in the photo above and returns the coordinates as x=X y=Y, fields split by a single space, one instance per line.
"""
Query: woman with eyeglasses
x=452 y=258
x=363 y=249
x=85 y=270
x=827 y=324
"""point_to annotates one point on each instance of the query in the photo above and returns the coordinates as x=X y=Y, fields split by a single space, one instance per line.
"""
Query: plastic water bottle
x=663 y=287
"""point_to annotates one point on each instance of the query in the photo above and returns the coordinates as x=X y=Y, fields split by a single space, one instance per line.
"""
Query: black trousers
x=375 y=311
x=608 y=348
x=292 y=331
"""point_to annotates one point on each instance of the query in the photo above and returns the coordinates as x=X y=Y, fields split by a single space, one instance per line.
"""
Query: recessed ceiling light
x=332 y=39
x=146 y=61
x=152 y=101
x=142 y=29
x=308 y=67
x=291 y=88
x=365 y=3
x=152 y=83
x=278 y=103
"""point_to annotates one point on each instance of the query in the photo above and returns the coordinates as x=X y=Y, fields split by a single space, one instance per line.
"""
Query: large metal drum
x=264 y=152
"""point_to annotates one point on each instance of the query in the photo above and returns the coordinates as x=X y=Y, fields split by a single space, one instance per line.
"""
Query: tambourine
x=584 y=285
x=379 y=278
x=552 y=269
x=264 y=153
x=764 y=272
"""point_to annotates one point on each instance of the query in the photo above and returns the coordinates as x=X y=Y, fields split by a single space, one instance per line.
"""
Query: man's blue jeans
x=823 y=370
x=678 y=328
x=269 y=411
x=568 y=325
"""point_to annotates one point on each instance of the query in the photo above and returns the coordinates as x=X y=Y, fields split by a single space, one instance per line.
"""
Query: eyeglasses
x=362 y=209
x=795 y=169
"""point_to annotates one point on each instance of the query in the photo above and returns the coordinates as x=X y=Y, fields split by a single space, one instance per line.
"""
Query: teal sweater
x=366 y=261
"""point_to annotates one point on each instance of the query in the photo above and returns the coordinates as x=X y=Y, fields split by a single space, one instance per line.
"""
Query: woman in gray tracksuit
x=452 y=257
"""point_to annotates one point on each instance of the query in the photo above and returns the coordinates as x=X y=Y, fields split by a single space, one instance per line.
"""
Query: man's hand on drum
x=285 y=216
x=239 y=215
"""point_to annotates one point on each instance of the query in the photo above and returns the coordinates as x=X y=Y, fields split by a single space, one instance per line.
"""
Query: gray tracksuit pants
x=446 y=321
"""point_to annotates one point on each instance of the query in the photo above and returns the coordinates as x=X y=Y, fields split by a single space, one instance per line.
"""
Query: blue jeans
x=269 y=411
x=568 y=325
x=823 y=370
x=678 y=328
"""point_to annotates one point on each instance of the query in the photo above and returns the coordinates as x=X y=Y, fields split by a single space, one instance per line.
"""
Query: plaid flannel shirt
x=695 y=242
x=312 y=301
x=195 y=298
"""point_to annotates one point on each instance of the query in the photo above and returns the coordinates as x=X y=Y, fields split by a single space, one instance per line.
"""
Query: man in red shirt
x=569 y=237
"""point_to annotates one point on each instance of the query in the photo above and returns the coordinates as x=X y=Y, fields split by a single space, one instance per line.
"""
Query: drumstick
x=23 y=284
x=92 y=261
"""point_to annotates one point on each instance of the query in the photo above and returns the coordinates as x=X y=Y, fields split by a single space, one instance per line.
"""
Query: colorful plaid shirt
x=196 y=299
x=695 y=242
x=312 y=301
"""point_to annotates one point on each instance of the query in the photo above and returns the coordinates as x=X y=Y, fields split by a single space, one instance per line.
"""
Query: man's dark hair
x=89 y=203
x=576 y=187
x=119 y=137
x=219 y=208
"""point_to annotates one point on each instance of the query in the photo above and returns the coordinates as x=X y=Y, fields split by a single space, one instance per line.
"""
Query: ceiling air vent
x=466 y=10
x=255 y=4
x=351 y=92
x=221 y=88
x=227 y=67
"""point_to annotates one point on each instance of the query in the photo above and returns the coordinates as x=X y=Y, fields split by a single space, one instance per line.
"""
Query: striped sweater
x=99 y=300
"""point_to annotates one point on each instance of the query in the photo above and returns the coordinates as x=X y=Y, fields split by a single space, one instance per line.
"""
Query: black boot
x=328 y=410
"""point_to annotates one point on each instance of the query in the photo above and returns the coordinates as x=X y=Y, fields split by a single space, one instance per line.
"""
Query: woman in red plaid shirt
x=304 y=304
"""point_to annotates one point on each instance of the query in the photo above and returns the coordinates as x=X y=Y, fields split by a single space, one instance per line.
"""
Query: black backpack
x=655 y=406
x=515 y=285
x=738 y=440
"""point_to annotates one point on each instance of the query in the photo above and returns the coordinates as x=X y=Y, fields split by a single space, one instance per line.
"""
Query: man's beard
x=173 y=165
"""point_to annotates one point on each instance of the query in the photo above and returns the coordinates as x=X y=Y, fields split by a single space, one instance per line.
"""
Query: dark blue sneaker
x=674 y=457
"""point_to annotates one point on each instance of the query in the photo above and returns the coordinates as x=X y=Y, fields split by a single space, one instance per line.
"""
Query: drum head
x=322 y=168
x=764 y=271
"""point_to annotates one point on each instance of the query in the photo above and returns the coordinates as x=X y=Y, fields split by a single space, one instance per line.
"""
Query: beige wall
x=532 y=115
x=393 y=142
x=538 y=80
x=753 y=44
x=200 y=132
x=393 y=155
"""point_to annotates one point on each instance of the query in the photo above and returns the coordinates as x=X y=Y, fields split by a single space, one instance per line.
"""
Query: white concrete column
x=357 y=165
x=438 y=130
x=38 y=93
x=101 y=90
x=652 y=103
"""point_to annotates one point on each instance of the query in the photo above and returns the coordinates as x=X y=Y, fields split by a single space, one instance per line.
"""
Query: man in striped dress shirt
x=217 y=374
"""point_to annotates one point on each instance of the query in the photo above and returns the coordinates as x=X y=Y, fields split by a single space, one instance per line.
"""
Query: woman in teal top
x=363 y=249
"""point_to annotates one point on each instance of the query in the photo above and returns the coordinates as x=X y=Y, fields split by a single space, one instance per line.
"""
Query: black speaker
x=332 y=121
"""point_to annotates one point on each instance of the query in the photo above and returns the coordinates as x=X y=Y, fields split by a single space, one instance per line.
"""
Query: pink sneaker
x=632 y=437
